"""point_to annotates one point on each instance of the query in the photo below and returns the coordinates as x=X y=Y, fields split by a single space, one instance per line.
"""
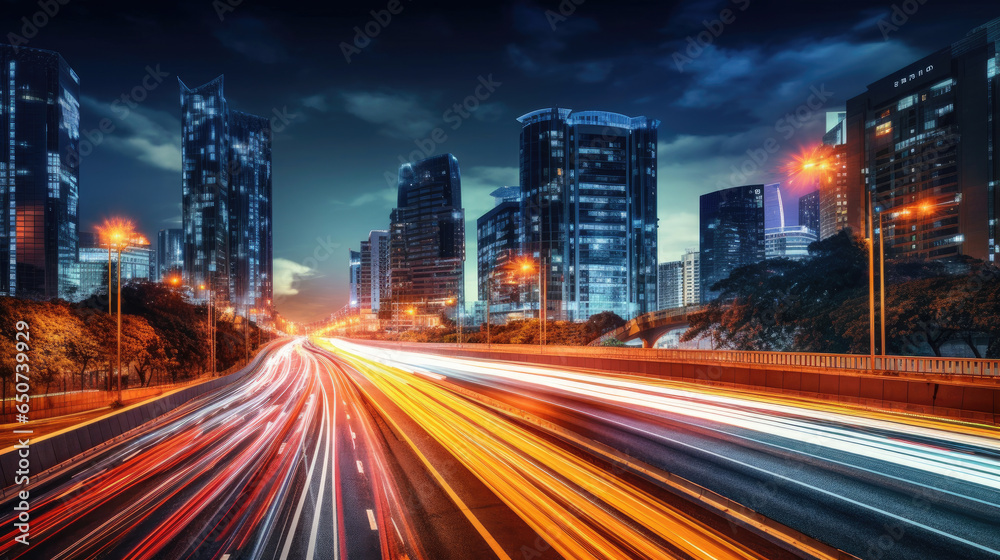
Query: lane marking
x=302 y=501
x=466 y=511
x=371 y=519
x=361 y=468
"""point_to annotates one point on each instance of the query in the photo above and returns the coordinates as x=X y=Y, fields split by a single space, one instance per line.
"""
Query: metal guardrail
x=917 y=365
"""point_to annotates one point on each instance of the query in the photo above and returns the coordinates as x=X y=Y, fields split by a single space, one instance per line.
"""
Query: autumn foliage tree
x=822 y=305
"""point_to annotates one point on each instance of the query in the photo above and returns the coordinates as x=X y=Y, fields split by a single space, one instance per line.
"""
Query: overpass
x=650 y=326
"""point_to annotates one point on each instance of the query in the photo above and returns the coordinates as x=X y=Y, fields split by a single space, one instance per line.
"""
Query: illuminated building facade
x=840 y=207
x=427 y=241
x=732 y=233
x=251 y=251
x=39 y=174
x=226 y=200
x=169 y=252
x=809 y=211
x=921 y=146
x=354 y=275
x=588 y=197
x=499 y=236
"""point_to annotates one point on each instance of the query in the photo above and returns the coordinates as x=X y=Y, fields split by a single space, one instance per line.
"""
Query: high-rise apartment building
x=39 y=174
x=427 y=241
x=169 y=252
x=809 y=211
x=588 y=197
x=354 y=276
x=732 y=233
x=374 y=278
x=226 y=198
x=691 y=262
x=920 y=147
x=670 y=285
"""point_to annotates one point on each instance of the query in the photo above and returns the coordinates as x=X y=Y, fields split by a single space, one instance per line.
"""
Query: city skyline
x=726 y=100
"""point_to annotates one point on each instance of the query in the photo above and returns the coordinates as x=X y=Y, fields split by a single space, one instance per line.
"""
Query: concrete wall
x=949 y=396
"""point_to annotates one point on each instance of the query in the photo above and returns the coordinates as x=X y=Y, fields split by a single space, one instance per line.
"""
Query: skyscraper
x=169 y=252
x=670 y=285
x=499 y=236
x=39 y=174
x=226 y=199
x=427 y=240
x=920 y=146
x=588 y=185
x=250 y=244
x=732 y=233
x=840 y=207
x=774 y=207
x=809 y=211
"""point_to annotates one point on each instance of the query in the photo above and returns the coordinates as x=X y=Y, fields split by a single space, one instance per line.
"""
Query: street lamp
x=922 y=208
x=119 y=234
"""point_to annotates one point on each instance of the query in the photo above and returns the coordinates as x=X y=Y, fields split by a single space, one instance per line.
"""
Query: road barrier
x=53 y=449
x=949 y=387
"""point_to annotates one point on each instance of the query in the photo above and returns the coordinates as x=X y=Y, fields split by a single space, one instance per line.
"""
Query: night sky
x=341 y=127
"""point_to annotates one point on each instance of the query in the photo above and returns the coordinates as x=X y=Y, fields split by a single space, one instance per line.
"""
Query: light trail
x=581 y=510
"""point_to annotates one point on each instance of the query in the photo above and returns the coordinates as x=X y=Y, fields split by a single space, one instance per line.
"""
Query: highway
x=332 y=449
x=874 y=485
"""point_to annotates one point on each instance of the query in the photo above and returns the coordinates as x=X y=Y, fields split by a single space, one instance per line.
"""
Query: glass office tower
x=920 y=146
x=39 y=174
x=427 y=241
x=169 y=252
x=499 y=237
x=226 y=197
x=809 y=211
x=205 y=188
x=732 y=233
x=250 y=244
x=588 y=185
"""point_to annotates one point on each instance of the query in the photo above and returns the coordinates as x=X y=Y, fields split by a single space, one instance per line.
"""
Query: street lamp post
x=922 y=208
x=119 y=234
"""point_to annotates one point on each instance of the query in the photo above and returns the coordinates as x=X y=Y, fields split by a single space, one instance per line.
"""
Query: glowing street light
x=921 y=208
x=118 y=234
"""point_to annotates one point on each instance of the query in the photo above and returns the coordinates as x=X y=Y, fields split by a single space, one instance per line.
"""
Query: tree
x=603 y=322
